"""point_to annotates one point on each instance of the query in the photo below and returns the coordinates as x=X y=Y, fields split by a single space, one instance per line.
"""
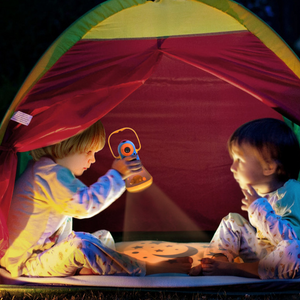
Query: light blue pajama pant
x=236 y=237
x=81 y=250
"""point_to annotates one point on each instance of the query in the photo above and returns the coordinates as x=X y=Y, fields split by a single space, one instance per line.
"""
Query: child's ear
x=269 y=168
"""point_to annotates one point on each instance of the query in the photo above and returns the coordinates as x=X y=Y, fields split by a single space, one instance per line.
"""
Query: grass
x=28 y=28
x=50 y=293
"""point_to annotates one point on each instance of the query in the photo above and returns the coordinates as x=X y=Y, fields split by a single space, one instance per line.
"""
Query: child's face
x=247 y=168
x=77 y=163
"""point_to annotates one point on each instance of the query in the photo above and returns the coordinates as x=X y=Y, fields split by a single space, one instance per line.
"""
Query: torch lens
x=127 y=149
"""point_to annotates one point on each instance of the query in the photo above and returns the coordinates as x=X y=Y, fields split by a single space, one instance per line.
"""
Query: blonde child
x=46 y=198
x=266 y=162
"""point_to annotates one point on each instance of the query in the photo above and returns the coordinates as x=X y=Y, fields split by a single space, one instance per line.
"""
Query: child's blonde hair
x=91 y=138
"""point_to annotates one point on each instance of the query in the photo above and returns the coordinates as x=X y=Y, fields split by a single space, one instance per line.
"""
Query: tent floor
x=149 y=249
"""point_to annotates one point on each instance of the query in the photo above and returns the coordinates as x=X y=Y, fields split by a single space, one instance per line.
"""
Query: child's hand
x=127 y=166
x=250 y=196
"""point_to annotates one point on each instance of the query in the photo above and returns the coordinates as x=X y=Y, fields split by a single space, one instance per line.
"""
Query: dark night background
x=29 y=27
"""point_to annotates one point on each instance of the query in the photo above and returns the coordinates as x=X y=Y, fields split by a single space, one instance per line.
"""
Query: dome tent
x=184 y=75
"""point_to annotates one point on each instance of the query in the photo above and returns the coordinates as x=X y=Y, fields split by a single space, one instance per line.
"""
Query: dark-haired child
x=266 y=163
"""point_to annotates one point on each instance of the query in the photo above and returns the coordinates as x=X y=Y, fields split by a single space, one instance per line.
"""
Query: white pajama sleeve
x=273 y=227
x=72 y=198
x=97 y=197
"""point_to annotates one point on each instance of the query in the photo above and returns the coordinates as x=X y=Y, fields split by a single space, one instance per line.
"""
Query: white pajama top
x=46 y=198
x=277 y=216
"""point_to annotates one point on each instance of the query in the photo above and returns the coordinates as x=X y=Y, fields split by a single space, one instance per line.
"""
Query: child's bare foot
x=217 y=266
x=196 y=271
x=86 y=271
x=176 y=265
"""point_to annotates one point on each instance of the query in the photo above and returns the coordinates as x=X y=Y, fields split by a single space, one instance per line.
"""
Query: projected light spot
x=171 y=250
x=159 y=252
x=190 y=252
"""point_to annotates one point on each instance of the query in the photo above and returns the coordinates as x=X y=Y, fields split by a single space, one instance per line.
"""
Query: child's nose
x=93 y=159
x=233 y=167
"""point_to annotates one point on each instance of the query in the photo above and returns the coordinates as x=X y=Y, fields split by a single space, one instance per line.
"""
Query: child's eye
x=236 y=160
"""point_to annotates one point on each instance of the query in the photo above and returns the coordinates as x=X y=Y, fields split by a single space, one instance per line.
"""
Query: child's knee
x=73 y=246
x=79 y=239
x=235 y=218
x=283 y=262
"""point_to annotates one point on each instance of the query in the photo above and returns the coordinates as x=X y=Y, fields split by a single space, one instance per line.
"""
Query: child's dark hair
x=274 y=140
